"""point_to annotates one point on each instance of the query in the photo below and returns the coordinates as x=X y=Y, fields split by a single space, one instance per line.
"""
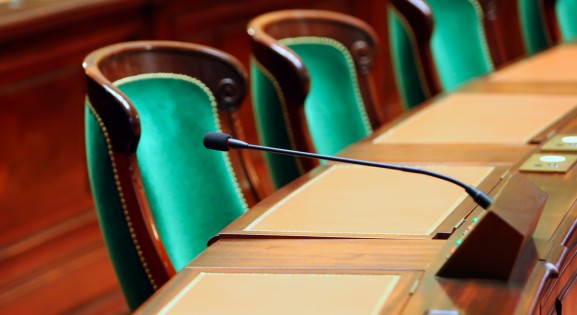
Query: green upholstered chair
x=560 y=18
x=312 y=87
x=410 y=29
x=566 y=10
x=533 y=25
x=159 y=194
x=438 y=45
x=451 y=43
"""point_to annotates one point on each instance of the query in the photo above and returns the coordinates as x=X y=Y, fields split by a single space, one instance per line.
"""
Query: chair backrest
x=560 y=18
x=456 y=49
x=312 y=87
x=410 y=30
x=532 y=16
x=438 y=45
x=566 y=11
x=159 y=194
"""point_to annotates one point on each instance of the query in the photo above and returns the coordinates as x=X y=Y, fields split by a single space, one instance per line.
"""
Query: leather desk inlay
x=465 y=118
x=361 y=200
x=268 y=293
x=554 y=65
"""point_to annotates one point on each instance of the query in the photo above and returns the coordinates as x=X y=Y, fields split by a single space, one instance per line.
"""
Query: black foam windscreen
x=216 y=141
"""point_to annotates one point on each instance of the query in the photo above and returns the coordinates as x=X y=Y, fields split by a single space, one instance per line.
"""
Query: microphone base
x=500 y=245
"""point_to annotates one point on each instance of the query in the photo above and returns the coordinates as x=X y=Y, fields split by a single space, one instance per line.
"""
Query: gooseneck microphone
x=224 y=142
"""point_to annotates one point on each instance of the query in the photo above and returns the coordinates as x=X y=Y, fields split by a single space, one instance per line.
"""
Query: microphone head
x=216 y=141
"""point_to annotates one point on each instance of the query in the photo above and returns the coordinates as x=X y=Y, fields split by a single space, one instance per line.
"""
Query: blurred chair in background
x=451 y=42
x=560 y=16
x=410 y=53
x=533 y=25
x=159 y=194
x=312 y=87
x=438 y=45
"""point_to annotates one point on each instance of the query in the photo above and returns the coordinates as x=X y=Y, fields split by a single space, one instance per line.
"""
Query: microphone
x=224 y=142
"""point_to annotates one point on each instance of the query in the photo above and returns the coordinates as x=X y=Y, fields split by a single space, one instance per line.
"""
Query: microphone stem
x=480 y=197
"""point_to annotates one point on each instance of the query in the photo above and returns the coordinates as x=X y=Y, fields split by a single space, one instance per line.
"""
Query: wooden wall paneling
x=52 y=257
x=42 y=165
x=64 y=267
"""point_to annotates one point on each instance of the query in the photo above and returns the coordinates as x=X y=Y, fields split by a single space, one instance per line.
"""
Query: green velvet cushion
x=532 y=26
x=271 y=125
x=458 y=42
x=334 y=108
x=192 y=191
x=131 y=275
x=404 y=55
x=566 y=11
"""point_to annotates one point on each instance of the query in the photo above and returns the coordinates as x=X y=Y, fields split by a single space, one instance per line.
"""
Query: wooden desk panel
x=319 y=253
x=470 y=118
x=554 y=65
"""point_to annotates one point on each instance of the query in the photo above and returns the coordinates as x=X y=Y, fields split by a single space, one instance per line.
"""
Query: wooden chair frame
x=290 y=72
x=114 y=110
x=551 y=21
x=419 y=19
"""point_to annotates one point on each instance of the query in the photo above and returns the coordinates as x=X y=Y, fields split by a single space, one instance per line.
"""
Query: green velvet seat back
x=458 y=42
x=404 y=53
x=334 y=108
x=532 y=26
x=566 y=11
x=272 y=124
x=192 y=192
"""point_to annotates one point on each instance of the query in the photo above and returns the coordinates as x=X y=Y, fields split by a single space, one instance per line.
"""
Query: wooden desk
x=408 y=264
x=50 y=242
x=553 y=71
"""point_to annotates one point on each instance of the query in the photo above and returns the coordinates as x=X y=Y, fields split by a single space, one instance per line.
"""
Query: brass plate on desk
x=279 y=293
x=472 y=118
x=557 y=163
x=348 y=200
x=557 y=64
x=561 y=143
